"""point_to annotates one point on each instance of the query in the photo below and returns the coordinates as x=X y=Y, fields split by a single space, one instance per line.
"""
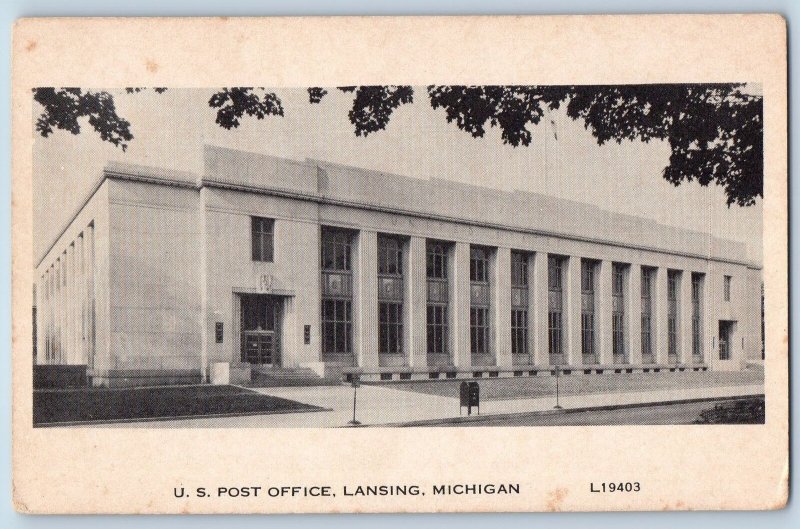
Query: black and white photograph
x=397 y=256
x=400 y=264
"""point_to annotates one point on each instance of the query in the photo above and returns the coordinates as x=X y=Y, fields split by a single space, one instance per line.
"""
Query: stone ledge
x=406 y=373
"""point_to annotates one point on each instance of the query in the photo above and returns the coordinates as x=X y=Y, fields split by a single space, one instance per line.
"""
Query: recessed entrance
x=260 y=329
x=725 y=337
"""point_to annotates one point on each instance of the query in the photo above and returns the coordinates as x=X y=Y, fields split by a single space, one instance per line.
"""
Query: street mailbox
x=475 y=396
x=464 y=394
x=469 y=396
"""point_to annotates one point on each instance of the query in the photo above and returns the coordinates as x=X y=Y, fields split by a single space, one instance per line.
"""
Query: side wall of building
x=72 y=289
x=155 y=278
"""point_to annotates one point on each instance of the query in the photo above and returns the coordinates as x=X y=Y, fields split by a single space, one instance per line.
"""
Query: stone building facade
x=281 y=265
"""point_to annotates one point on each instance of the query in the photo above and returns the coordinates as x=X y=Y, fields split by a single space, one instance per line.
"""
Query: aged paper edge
x=623 y=49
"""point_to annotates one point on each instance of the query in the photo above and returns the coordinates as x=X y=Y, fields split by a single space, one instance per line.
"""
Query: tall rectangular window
x=390 y=295
x=437 y=298
x=555 y=307
x=337 y=292
x=519 y=304
x=697 y=317
x=479 y=300
x=390 y=328
x=647 y=315
x=587 y=311
x=673 y=310
x=727 y=288
x=618 y=313
x=262 y=238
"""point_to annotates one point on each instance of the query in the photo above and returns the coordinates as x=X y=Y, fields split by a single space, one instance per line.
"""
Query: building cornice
x=323 y=200
x=147 y=176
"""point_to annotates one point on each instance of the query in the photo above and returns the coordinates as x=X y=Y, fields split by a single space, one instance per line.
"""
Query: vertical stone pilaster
x=501 y=307
x=633 y=314
x=572 y=312
x=41 y=312
x=81 y=297
x=537 y=308
x=74 y=312
x=290 y=331
x=603 y=313
x=67 y=294
x=660 y=316
x=62 y=335
x=416 y=304
x=460 y=302
x=91 y=303
x=709 y=316
x=367 y=300
x=685 y=318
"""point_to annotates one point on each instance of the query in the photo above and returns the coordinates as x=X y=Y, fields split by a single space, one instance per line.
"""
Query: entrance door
x=725 y=336
x=260 y=321
x=259 y=347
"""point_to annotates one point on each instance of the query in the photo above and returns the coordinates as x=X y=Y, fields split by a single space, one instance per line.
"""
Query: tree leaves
x=234 y=103
x=63 y=107
x=512 y=108
x=714 y=131
x=315 y=94
x=137 y=89
x=373 y=106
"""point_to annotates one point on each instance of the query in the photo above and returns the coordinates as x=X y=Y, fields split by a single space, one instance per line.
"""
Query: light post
x=558 y=370
x=356 y=381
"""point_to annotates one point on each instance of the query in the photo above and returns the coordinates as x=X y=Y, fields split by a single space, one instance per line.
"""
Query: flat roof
x=437 y=198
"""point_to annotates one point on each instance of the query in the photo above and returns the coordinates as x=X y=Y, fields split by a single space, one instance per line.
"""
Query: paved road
x=662 y=414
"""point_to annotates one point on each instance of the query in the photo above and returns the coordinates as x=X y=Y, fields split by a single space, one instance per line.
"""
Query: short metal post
x=557 y=406
x=354 y=422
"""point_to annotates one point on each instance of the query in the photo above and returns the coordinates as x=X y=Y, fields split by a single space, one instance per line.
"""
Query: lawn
x=103 y=405
x=575 y=384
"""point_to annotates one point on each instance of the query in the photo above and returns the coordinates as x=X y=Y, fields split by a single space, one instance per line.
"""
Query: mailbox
x=470 y=396
x=474 y=395
x=218 y=332
x=464 y=394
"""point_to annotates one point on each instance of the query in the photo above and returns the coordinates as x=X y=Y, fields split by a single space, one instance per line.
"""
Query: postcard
x=400 y=264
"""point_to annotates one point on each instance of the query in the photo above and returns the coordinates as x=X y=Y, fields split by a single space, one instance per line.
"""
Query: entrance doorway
x=260 y=329
x=725 y=339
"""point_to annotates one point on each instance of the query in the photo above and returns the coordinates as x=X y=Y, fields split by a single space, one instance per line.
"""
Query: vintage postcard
x=400 y=264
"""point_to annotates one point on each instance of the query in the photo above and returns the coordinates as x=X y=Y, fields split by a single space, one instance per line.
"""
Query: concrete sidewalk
x=383 y=405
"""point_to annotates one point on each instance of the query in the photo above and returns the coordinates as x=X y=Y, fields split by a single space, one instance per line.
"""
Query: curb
x=546 y=413
x=174 y=418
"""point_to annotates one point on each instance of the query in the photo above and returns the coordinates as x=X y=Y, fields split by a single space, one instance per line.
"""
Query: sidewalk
x=383 y=405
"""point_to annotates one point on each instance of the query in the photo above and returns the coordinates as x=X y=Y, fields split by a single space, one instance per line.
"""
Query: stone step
x=757 y=366
x=282 y=377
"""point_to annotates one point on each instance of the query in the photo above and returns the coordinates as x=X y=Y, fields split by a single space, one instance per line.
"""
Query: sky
x=563 y=160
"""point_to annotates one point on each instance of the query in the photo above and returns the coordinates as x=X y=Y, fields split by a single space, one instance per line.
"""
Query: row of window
x=336 y=266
